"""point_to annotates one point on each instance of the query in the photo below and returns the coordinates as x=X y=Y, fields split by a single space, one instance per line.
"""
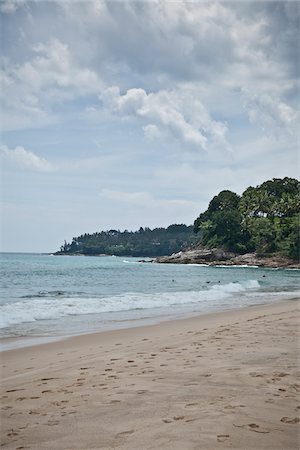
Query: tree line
x=144 y=242
x=264 y=219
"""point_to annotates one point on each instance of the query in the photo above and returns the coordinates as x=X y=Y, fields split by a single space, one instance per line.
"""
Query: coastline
x=160 y=386
x=219 y=257
x=207 y=257
x=22 y=342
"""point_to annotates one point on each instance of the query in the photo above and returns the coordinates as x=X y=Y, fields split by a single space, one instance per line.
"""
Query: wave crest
x=57 y=304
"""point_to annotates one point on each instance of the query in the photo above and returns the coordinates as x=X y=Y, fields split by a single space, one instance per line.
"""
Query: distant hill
x=144 y=242
x=264 y=220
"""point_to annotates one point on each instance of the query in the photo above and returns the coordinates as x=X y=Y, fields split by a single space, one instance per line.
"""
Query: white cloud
x=219 y=47
x=25 y=159
x=178 y=112
x=151 y=131
x=55 y=68
x=216 y=46
x=271 y=114
x=50 y=77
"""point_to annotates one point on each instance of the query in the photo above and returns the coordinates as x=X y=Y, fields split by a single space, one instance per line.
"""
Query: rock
x=216 y=256
x=146 y=260
x=200 y=255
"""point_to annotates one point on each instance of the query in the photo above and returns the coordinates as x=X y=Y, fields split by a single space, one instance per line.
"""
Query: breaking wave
x=57 y=304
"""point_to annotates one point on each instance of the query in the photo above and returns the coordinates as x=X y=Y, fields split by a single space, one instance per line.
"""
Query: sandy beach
x=217 y=381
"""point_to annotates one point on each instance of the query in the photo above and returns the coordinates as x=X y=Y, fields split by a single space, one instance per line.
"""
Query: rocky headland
x=216 y=256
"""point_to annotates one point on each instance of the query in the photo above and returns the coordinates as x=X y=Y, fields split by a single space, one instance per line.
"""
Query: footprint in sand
x=12 y=433
x=15 y=390
x=223 y=437
x=290 y=420
x=175 y=418
x=253 y=427
x=52 y=423
x=124 y=433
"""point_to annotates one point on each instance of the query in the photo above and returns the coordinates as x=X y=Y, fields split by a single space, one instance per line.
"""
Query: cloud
x=215 y=47
x=156 y=211
x=54 y=67
x=10 y=6
x=25 y=159
x=178 y=113
x=49 y=78
x=188 y=40
x=151 y=132
x=271 y=114
x=220 y=47
x=144 y=200
x=181 y=38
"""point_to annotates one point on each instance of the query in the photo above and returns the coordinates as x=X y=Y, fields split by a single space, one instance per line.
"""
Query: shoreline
x=196 y=257
x=212 y=381
x=21 y=342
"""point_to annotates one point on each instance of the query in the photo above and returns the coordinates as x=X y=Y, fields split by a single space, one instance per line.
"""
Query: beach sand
x=227 y=380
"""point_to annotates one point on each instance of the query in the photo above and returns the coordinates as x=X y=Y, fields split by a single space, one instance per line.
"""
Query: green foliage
x=273 y=198
x=144 y=242
x=262 y=235
x=287 y=236
x=264 y=219
x=221 y=223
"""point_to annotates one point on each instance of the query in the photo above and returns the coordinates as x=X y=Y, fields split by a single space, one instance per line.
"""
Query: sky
x=121 y=114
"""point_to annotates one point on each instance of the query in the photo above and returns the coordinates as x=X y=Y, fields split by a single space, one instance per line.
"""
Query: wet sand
x=219 y=381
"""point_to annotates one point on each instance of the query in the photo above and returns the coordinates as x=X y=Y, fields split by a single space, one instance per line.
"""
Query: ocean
x=45 y=297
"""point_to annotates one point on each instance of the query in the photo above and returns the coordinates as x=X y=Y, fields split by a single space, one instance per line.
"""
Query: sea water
x=46 y=297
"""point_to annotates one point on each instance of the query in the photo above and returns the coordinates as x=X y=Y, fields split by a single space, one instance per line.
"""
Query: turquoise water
x=52 y=296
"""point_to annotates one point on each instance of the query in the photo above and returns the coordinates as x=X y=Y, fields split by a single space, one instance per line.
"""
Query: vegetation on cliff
x=265 y=219
x=144 y=242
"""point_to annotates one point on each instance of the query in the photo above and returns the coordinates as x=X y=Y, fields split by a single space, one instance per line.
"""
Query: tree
x=264 y=219
x=220 y=224
x=270 y=216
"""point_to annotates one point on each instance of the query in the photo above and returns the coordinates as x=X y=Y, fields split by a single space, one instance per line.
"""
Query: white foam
x=237 y=266
x=199 y=265
x=50 y=308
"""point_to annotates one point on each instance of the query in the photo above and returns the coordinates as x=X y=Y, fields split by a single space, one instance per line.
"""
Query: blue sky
x=128 y=114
